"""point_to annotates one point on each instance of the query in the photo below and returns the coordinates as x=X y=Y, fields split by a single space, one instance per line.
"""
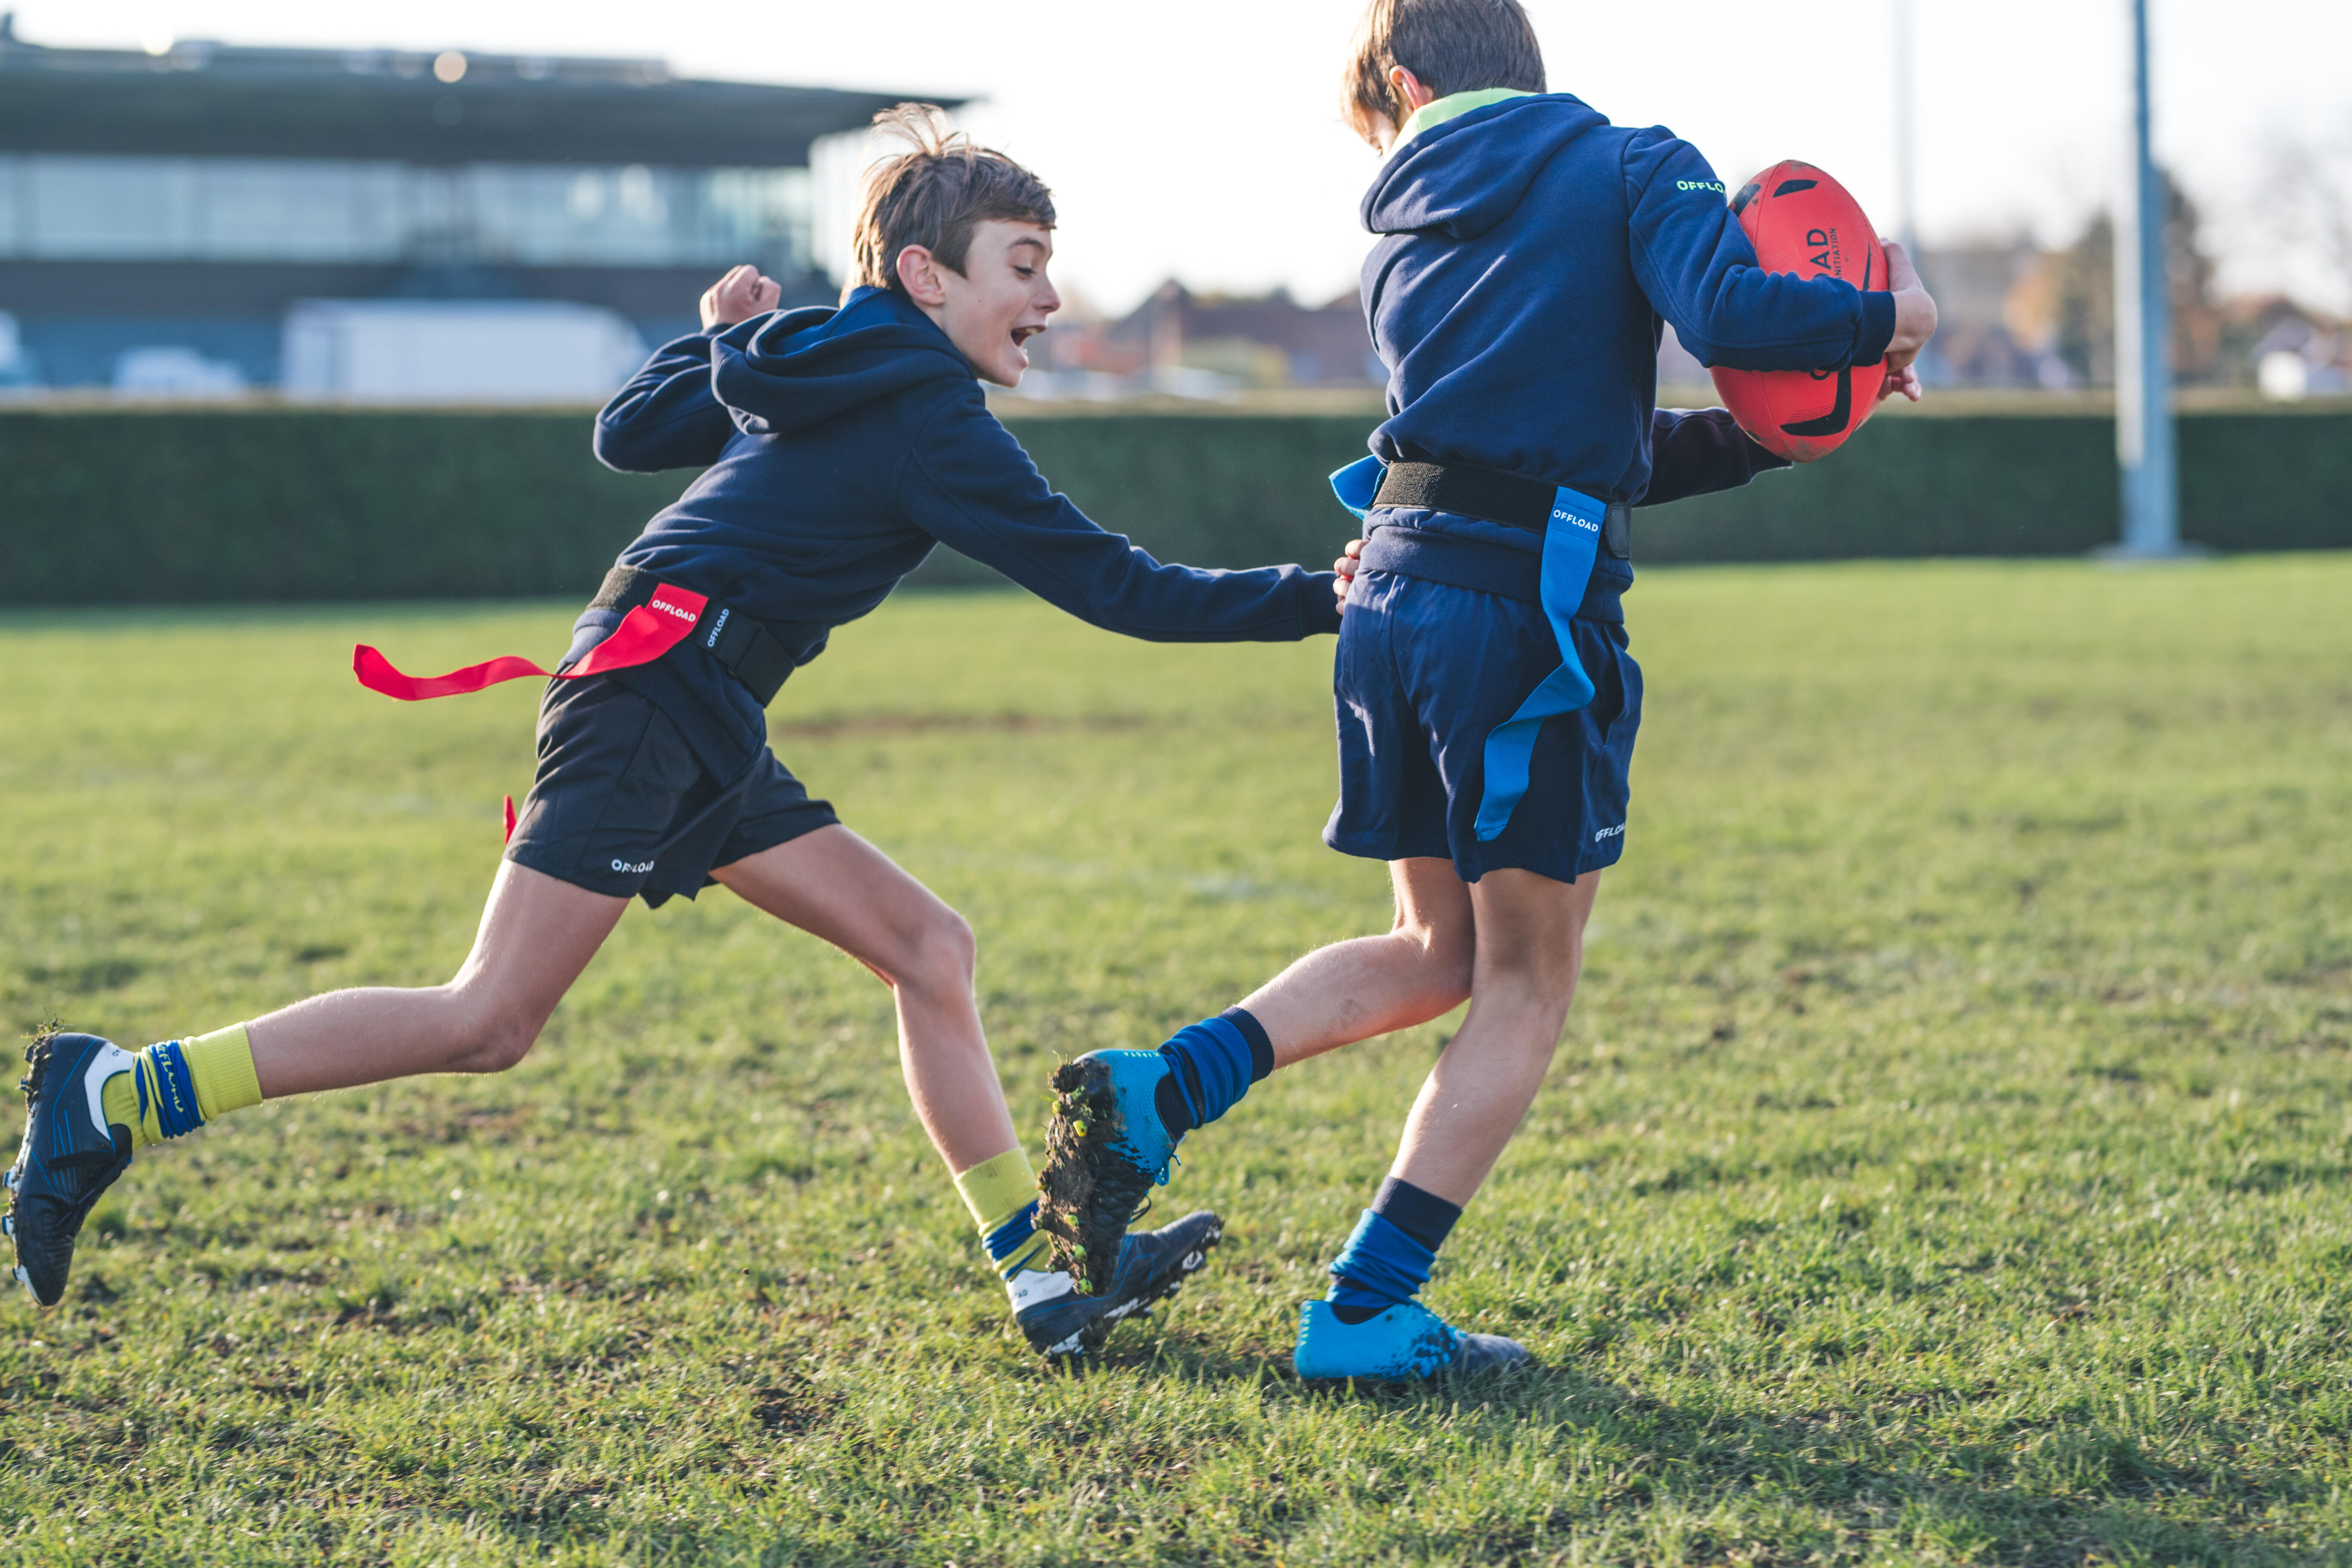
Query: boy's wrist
x=1322 y=603
x=1914 y=324
x=1878 y=328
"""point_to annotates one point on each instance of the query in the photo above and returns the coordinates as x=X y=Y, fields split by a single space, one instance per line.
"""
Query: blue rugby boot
x=69 y=1155
x=1152 y=1267
x=1404 y=1345
x=1105 y=1149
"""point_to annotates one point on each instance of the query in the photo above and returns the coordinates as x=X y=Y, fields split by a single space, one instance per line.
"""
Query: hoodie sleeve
x=967 y=483
x=1695 y=264
x=668 y=417
x=1696 y=453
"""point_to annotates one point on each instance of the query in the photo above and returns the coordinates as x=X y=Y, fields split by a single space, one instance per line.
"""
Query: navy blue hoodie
x=839 y=448
x=1528 y=251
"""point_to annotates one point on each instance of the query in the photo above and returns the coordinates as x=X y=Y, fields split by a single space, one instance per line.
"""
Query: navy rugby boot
x=1152 y=1267
x=1406 y=1343
x=1105 y=1149
x=69 y=1155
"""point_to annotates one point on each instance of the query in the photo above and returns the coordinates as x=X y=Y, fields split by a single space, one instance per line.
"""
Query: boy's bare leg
x=1530 y=951
x=1374 y=986
x=834 y=885
x=536 y=934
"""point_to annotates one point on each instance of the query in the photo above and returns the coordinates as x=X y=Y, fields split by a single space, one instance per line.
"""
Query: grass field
x=1947 y=1161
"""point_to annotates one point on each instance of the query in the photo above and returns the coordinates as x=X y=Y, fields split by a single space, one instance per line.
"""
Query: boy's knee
x=510 y=1041
x=941 y=957
x=1531 y=988
x=492 y=1039
x=1444 y=958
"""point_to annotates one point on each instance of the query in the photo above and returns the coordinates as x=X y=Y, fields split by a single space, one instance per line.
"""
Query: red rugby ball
x=1803 y=221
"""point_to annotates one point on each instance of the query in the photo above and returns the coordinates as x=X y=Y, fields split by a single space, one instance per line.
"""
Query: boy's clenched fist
x=740 y=295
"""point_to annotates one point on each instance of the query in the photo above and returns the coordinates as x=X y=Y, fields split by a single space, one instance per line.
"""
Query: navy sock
x=1210 y=1066
x=1388 y=1258
x=1420 y=1214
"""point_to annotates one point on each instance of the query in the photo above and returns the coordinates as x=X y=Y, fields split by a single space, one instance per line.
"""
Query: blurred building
x=213 y=218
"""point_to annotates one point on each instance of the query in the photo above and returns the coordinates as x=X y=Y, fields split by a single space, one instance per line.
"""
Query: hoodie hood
x=1462 y=177
x=782 y=373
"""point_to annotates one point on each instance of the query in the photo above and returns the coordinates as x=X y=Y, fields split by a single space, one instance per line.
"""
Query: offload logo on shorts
x=1616 y=832
x=638 y=870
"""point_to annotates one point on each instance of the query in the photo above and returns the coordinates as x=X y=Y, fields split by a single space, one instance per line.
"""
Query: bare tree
x=2306 y=203
x=2083 y=286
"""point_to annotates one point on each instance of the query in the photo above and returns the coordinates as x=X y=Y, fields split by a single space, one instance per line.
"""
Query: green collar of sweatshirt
x=1445 y=108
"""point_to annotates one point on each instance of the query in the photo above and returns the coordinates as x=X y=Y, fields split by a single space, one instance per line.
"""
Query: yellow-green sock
x=1002 y=1196
x=176 y=1086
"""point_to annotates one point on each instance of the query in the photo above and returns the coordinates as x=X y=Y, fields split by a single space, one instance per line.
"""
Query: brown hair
x=1450 y=46
x=934 y=195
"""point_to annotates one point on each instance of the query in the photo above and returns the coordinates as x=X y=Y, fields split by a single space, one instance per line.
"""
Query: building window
x=106 y=209
x=274 y=210
x=79 y=207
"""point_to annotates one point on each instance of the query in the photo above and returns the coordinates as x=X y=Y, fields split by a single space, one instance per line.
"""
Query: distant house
x=1996 y=323
x=1270 y=339
x=1207 y=345
x=2296 y=354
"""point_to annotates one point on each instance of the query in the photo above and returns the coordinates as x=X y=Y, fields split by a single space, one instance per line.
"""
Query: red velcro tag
x=644 y=634
x=510 y=820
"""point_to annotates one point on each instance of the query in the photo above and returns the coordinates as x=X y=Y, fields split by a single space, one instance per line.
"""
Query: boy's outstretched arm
x=1695 y=264
x=967 y=482
x=668 y=416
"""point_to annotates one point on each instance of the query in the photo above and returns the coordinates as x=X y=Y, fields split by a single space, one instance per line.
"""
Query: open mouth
x=1021 y=335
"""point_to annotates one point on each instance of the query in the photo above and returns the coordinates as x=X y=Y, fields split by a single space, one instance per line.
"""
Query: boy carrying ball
x=1485 y=698
x=838 y=448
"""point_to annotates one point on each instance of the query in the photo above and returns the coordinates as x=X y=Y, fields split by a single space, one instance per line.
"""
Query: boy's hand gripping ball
x=1803 y=221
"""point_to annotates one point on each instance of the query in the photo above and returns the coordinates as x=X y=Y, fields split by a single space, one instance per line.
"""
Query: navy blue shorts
x=622 y=805
x=1425 y=671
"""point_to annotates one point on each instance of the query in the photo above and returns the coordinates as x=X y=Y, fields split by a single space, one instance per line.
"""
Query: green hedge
x=105 y=506
x=2021 y=484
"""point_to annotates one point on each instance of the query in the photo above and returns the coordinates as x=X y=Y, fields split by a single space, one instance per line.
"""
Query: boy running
x=1487 y=703
x=839 y=446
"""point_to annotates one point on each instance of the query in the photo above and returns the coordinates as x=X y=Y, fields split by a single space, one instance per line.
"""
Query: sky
x=1204 y=141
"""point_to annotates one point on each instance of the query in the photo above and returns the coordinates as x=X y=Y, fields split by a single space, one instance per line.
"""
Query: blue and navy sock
x=1210 y=1065
x=1389 y=1258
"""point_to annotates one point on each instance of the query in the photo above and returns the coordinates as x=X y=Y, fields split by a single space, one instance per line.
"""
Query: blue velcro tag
x=1357 y=484
x=1571 y=540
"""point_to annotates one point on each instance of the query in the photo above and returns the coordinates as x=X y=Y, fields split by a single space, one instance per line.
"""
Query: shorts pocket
x=645 y=795
x=1616 y=708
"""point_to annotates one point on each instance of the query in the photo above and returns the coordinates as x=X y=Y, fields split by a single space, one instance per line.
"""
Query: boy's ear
x=1409 y=92
x=918 y=273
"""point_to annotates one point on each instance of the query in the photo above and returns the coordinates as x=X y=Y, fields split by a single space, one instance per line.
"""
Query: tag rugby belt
x=1575 y=528
x=1492 y=496
x=660 y=616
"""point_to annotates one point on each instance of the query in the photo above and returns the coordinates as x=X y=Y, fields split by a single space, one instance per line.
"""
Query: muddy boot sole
x=1089 y=1194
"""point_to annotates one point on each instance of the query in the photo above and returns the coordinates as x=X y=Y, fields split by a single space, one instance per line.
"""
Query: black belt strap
x=742 y=647
x=1492 y=496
